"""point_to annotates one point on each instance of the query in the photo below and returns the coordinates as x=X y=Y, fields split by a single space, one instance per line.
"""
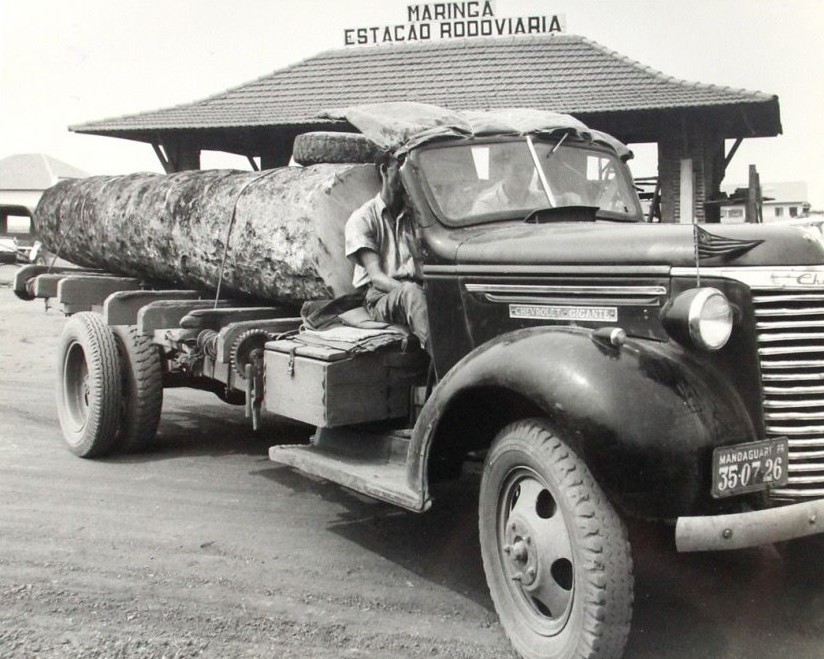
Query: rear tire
x=142 y=389
x=555 y=552
x=88 y=386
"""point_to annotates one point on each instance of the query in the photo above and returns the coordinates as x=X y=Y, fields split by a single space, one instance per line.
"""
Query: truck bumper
x=750 y=529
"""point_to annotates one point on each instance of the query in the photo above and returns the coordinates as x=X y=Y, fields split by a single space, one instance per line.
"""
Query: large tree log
x=286 y=242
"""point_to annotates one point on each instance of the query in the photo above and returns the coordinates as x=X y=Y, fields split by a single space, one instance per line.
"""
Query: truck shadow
x=723 y=605
x=746 y=603
x=440 y=546
x=205 y=426
x=750 y=603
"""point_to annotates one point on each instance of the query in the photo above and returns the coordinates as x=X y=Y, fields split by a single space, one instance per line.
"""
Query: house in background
x=781 y=201
x=23 y=178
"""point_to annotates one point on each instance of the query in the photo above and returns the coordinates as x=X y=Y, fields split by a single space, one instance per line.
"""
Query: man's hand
x=371 y=262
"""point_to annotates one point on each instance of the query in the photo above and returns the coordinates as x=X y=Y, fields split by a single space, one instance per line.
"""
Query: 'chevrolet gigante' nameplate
x=545 y=312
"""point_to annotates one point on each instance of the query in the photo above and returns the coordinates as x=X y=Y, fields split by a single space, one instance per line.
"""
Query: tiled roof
x=564 y=73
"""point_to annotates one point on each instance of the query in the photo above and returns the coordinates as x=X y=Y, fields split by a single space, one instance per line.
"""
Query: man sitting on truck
x=380 y=239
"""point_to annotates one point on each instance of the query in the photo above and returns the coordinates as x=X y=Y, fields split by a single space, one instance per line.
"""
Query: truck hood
x=609 y=243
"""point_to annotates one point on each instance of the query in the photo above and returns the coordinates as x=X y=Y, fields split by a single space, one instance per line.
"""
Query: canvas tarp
x=402 y=126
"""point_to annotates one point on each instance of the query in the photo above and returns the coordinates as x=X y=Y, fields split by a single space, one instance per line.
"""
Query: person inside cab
x=517 y=188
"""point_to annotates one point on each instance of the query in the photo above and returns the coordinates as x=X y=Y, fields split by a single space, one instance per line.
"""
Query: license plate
x=749 y=467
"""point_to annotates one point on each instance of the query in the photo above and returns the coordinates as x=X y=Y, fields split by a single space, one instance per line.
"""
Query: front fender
x=644 y=416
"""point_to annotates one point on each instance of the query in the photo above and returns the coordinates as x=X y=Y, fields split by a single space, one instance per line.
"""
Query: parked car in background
x=18 y=242
x=12 y=251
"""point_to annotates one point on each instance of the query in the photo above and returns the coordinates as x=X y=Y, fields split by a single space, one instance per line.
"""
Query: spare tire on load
x=331 y=147
x=284 y=227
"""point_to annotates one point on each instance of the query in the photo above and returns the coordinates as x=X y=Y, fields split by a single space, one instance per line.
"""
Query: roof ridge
x=669 y=78
x=47 y=165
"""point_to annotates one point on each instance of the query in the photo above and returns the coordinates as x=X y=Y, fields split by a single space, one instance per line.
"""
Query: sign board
x=453 y=20
x=576 y=313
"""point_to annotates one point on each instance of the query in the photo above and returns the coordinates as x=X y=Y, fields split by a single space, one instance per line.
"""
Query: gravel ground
x=201 y=547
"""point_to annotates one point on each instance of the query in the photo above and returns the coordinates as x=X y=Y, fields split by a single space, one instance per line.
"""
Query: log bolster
x=45 y=286
x=74 y=292
x=214 y=319
x=83 y=292
x=25 y=277
x=122 y=308
x=167 y=314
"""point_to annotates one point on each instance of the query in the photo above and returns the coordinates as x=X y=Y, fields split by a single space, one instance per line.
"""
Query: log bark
x=286 y=243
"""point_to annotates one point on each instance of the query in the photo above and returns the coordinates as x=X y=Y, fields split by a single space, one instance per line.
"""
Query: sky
x=65 y=62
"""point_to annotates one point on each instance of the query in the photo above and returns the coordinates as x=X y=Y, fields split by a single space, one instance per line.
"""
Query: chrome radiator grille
x=790 y=328
x=789 y=313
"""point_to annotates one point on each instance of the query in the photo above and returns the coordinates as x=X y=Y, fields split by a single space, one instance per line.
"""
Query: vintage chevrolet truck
x=602 y=366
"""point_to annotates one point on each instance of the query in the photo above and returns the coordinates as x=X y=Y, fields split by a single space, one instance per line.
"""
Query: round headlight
x=702 y=317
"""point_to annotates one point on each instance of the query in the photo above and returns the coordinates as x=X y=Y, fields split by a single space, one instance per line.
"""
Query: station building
x=688 y=121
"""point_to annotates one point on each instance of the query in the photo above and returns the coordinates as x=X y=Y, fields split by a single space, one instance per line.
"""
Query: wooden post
x=183 y=157
x=176 y=157
x=687 y=196
x=655 y=204
x=276 y=151
x=752 y=213
x=714 y=171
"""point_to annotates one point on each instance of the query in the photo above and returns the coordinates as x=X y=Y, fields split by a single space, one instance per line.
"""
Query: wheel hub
x=521 y=553
x=77 y=386
x=536 y=552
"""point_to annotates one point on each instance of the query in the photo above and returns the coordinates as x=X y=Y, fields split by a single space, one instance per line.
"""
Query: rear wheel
x=89 y=386
x=142 y=388
x=555 y=552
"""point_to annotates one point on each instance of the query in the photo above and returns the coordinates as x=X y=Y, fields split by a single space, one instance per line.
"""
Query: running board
x=371 y=463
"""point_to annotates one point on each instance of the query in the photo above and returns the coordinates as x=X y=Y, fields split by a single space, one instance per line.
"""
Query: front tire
x=555 y=552
x=89 y=386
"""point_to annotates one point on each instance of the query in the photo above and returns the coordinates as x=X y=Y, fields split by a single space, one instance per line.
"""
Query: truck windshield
x=492 y=181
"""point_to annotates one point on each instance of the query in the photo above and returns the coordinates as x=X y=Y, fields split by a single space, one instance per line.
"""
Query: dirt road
x=202 y=547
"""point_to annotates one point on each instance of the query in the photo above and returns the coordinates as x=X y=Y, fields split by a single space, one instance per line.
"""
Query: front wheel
x=89 y=386
x=555 y=552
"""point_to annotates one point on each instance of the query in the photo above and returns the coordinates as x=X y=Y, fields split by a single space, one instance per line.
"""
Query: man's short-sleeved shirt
x=393 y=239
x=495 y=199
